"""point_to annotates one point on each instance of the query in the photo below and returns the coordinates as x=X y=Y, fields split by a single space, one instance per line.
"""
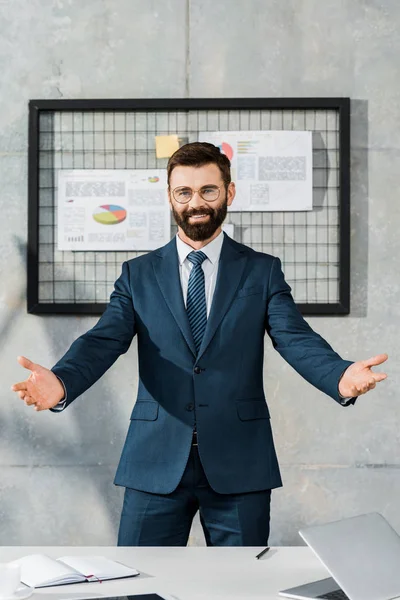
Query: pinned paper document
x=112 y=209
x=272 y=169
x=166 y=145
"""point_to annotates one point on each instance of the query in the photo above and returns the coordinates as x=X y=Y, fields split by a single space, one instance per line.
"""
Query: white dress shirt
x=210 y=266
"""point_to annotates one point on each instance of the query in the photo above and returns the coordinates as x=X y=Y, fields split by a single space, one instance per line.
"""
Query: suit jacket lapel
x=166 y=268
x=230 y=270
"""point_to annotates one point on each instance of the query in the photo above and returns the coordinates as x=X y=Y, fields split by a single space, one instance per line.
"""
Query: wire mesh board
x=120 y=134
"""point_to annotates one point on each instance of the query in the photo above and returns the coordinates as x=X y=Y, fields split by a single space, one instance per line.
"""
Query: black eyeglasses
x=184 y=194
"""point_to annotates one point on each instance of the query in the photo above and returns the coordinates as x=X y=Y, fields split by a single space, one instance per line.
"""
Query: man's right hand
x=42 y=389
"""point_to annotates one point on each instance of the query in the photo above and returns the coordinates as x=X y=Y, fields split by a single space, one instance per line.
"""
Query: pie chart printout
x=109 y=214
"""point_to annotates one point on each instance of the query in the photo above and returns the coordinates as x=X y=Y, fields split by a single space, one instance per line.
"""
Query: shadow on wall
x=359 y=239
x=70 y=467
x=98 y=427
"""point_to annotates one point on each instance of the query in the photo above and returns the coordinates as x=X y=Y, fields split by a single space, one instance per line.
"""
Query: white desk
x=192 y=573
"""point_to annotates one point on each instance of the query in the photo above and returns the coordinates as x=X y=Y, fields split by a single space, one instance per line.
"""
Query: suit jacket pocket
x=145 y=410
x=252 y=409
x=250 y=290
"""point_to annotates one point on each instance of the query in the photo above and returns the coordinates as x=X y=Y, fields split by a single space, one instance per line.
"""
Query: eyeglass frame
x=198 y=191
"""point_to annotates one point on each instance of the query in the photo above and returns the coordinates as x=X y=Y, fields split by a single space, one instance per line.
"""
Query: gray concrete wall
x=56 y=471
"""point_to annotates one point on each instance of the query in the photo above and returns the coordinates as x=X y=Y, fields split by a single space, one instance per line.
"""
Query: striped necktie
x=196 y=298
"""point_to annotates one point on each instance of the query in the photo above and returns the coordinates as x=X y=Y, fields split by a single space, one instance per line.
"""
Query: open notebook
x=39 y=570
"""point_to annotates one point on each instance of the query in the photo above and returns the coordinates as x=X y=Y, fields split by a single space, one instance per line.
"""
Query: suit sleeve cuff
x=347 y=401
x=63 y=402
x=342 y=400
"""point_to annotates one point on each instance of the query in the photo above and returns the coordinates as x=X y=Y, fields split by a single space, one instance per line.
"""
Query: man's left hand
x=359 y=378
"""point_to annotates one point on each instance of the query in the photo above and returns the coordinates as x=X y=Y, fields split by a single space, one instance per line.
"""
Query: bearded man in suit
x=200 y=437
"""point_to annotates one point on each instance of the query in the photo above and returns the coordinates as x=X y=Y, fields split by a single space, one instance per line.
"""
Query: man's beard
x=199 y=232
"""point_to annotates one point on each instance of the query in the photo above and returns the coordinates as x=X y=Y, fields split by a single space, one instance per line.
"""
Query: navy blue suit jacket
x=221 y=387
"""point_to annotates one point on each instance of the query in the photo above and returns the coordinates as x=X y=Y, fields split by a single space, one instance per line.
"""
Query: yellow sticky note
x=166 y=145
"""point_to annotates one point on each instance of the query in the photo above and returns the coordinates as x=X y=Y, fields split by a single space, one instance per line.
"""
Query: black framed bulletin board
x=314 y=246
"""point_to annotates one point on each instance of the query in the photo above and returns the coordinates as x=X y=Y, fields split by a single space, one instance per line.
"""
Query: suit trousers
x=165 y=520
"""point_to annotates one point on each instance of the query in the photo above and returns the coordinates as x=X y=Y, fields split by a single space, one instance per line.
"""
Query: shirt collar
x=212 y=250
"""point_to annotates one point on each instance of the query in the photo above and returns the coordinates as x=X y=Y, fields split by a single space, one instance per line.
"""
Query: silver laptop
x=361 y=553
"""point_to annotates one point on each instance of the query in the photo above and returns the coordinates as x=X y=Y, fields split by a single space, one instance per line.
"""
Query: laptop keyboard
x=338 y=595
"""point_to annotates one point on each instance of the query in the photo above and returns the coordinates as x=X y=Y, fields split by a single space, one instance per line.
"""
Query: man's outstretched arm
x=308 y=353
x=88 y=357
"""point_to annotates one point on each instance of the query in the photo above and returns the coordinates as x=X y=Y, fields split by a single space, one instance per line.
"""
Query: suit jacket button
x=197 y=370
x=189 y=406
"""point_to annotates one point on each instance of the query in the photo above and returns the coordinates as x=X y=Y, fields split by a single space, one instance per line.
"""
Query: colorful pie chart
x=109 y=214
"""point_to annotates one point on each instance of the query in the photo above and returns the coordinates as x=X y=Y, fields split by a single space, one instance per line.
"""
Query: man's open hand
x=42 y=389
x=359 y=378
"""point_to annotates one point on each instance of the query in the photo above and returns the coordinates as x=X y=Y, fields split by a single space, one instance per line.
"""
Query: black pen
x=263 y=552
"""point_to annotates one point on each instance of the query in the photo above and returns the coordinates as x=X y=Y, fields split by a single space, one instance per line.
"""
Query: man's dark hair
x=198 y=154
